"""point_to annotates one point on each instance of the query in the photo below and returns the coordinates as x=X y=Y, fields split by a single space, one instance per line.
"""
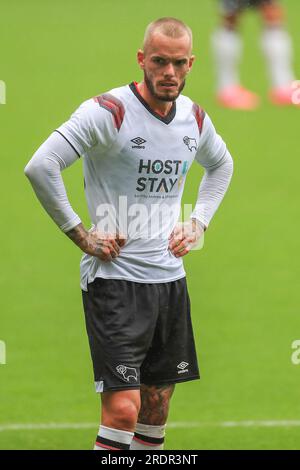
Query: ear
x=191 y=61
x=141 y=58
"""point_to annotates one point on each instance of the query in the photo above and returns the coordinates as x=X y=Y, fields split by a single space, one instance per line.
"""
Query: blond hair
x=168 y=26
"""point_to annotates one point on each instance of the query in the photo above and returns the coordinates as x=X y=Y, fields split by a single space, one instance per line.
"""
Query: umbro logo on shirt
x=138 y=141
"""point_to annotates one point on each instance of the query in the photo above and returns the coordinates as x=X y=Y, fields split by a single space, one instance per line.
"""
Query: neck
x=159 y=106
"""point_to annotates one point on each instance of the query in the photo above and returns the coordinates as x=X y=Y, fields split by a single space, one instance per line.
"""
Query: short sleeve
x=88 y=126
x=212 y=148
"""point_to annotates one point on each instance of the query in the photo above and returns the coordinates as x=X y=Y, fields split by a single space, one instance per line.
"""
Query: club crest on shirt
x=190 y=142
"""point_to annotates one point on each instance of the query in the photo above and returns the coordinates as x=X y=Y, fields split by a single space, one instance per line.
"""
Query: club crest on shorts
x=127 y=372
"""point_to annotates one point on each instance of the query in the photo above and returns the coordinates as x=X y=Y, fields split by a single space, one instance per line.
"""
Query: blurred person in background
x=276 y=46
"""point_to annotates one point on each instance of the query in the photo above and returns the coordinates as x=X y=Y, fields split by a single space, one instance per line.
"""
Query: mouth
x=168 y=85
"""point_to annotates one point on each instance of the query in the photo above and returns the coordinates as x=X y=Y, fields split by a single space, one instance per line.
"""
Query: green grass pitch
x=244 y=284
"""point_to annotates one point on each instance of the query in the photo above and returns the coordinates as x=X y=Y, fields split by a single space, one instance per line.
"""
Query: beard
x=161 y=96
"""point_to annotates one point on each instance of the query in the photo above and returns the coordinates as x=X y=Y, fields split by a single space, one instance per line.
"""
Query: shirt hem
x=138 y=281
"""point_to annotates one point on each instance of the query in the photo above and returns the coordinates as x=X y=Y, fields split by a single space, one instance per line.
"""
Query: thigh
x=231 y=7
x=172 y=356
x=120 y=321
x=231 y=11
x=272 y=12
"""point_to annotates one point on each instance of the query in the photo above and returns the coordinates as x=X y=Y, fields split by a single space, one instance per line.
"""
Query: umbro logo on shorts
x=190 y=142
x=127 y=372
x=182 y=367
x=138 y=141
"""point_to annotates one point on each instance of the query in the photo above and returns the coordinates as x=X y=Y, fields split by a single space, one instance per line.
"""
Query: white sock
x=148 y=437
x=227 y=49
x=277 y=48
x=113 y=439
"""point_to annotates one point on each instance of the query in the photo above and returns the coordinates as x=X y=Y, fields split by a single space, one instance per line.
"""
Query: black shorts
x=139 y=333
x=230 y=7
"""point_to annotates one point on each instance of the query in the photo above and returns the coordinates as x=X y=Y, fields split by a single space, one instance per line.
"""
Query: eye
x=180 y=62
x=158 y=60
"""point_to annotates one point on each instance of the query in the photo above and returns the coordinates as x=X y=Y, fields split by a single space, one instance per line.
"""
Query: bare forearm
x=104 y=246
x=78 y=235
x=84 y=239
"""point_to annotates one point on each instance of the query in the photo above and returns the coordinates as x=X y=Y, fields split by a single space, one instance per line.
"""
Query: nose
x=169 y=70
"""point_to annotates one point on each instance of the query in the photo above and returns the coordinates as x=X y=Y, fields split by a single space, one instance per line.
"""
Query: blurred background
x=244 y=284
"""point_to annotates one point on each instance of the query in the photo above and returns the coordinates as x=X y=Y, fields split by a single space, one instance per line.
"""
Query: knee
x=230 y=21
x=121 y=414
x=125 y=414
x=272 y=14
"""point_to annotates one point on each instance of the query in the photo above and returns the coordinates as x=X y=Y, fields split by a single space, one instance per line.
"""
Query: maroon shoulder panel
x=114 y=106
x=199 y=114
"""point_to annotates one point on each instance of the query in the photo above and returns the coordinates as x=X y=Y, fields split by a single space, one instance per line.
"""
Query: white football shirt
x=135 y=166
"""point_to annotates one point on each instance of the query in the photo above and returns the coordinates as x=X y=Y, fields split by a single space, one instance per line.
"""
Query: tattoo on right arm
x=77 y=235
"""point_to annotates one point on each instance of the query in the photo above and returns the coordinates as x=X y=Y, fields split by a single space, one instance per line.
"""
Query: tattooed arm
x=102 y=245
